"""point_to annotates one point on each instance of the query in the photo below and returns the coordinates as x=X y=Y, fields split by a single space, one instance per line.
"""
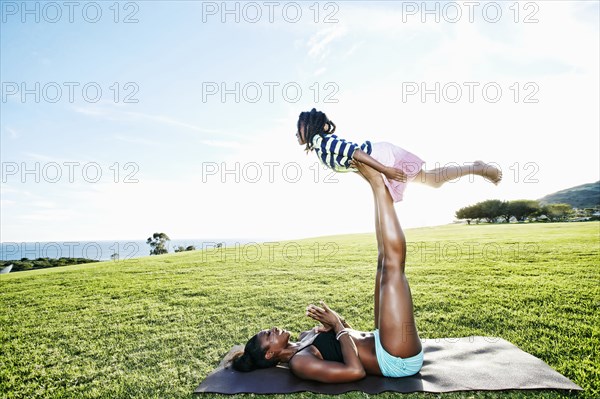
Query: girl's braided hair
x=314 y=123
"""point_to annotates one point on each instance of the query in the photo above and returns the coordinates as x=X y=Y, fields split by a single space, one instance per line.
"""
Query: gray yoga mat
x=450 y=364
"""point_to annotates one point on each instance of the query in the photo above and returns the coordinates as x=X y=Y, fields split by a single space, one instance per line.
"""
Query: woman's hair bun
x=243 y=363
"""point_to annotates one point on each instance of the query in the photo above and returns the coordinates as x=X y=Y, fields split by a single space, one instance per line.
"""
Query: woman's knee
x=391 y=266
x=394 y=256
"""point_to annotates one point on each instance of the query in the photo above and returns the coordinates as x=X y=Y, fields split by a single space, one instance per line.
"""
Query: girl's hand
x=327 y=317
x=395 y=174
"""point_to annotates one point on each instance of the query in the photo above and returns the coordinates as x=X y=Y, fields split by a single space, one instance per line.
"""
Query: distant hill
x=584 y=196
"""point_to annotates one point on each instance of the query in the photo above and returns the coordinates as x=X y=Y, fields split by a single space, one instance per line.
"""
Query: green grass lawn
x=154 y=327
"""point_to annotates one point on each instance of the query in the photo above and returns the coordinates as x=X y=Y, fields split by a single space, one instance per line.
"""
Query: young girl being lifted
x=397 y=165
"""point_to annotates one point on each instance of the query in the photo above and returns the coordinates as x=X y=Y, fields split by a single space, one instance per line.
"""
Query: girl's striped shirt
x=336 y=153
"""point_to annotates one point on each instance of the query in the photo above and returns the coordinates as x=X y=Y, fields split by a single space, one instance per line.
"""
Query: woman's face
x=301 y=135
x=273 y=340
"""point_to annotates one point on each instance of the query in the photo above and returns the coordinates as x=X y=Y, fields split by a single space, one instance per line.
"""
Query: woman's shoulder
x=308 y=350
x=305 y=357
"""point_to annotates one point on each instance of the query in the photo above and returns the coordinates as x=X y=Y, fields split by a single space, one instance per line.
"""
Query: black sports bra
x=329 y=347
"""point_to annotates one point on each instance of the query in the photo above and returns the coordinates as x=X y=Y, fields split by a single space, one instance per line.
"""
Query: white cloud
x=221 y=143
x=49 y=215
x=391 y=21
x=320 y=71
x=7 y=188
x=91 y=111
x=5 y=202
x=354 y=47
x=319 y=43
x=39 y=157
x=137 y=140
x=119 y=115
x=44 y=204
x=12 y=132
x=167 y=120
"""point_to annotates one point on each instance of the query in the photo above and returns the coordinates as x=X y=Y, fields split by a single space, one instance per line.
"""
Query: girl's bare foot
x=487 y=171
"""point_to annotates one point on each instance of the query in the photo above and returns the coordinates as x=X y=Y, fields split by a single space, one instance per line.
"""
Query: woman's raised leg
x=397 y=328
x=380 y=255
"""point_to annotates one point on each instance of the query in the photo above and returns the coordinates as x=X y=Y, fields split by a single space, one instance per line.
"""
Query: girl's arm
x=330 y=144
x=388 y=171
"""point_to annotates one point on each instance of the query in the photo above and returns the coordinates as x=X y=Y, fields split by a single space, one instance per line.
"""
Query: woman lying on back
x=336 y=353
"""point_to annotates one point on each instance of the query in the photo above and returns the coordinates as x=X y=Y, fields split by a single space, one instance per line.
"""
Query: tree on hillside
x=521 y=209
x=558 y=212
x=493 y=209
x=181 y=248
x=158 y=243
x=468 y=213
x=489 y=210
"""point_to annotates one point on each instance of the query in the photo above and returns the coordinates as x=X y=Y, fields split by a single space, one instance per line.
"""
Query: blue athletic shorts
x=392 y=366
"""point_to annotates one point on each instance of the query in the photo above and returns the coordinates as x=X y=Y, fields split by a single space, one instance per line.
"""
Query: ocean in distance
x=103 y=250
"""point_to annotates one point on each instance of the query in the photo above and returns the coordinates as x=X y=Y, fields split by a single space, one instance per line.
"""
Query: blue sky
x=170 y=135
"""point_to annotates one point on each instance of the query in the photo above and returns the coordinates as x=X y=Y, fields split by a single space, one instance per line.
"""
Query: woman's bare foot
x=487 y=171
x=373 y=176
x=358 y=172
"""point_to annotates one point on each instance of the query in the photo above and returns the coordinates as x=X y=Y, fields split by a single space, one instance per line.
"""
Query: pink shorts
x=391 y=155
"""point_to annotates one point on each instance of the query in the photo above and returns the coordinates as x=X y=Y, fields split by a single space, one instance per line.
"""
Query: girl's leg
x=437 y=177
x=397 y=328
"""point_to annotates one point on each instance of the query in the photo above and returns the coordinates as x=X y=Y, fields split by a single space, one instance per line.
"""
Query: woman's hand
x=327 y=317
x=322 y=329
x=395 y=174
